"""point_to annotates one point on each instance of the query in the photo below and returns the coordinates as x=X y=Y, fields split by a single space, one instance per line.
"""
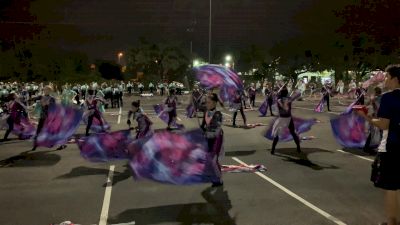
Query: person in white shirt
x=141 y=88
x=151 y=87
x=352 y=89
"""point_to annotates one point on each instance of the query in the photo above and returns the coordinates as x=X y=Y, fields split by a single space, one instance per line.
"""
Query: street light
x=229 y=61
x=196 y=62
x=120 y=55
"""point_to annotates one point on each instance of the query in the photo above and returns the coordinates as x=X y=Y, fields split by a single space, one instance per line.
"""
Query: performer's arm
x=384 y=114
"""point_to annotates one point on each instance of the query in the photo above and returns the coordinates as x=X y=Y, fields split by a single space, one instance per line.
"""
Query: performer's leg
x=243 y=116
x=295 y=136
x=39 y=129
x=274 y=143
x=367 y=143
x=90 y=121
x=215 y=162
x=97 y=116
x=10 y=123
x=326 y=98
x=170 y=119
x=270 y=108
x=234 y=118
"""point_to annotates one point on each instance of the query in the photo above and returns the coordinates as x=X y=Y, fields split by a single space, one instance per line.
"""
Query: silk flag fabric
x=105 y=147
x=376 y=78
x=301 y=126
x=24 y=128
x=60 y=124
x=216 y=76
x=163 y=115
x=349 y=130
x=172 y=158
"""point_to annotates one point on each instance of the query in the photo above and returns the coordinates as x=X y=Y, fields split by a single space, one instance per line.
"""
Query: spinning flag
x=376 y=78
x=104 y=147
x=163 y=115
x=173 y=158
x=300 y=125
x=320 y=107
x=190 y=111
x=215 y=76
x=349 y=130
x=23 y=128
x=60 y=124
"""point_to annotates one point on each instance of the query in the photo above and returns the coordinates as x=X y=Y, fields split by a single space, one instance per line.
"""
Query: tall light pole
x=209 y=34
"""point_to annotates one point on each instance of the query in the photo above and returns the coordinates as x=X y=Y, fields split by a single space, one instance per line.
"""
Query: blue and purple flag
x=173 y=158
x=60 y=124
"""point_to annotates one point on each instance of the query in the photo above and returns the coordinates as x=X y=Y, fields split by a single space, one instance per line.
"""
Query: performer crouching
x=143 y=128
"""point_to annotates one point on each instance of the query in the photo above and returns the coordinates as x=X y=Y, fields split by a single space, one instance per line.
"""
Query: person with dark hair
x=92 y=105
x=269 y=93
x=360 y=94
x=212 y=127
x=285 y=120
x=238 y=106
x=195 y=100
x=16 y=110
x=171 y=103
x=115 y=97
x=143 y=128
x=326 y=92
x=252 y=94
x=386 y=167
x=141 y=88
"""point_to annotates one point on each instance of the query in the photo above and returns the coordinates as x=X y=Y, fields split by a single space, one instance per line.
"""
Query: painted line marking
x=226 y=114
x=107 y=197
x=295 y=196
x=119 y=115
x=358 y=156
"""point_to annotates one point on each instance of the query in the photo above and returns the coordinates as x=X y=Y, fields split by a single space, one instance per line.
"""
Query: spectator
x=386 y=167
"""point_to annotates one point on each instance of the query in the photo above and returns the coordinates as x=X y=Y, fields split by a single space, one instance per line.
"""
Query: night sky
x=236 y=23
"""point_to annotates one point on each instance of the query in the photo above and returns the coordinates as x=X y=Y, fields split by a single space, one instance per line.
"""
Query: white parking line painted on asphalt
x=119 y=115
x=226 y=114
x=358 y=156
x=335 y=113
x=295 y=196
x=107 y=197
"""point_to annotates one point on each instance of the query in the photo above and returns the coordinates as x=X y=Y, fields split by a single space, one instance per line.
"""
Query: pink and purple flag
x=60 y=124
x=104 y=147
x=349 y=130
x=300 y=125
x=173 y=158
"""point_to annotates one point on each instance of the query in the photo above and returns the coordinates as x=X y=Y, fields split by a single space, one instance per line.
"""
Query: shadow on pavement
x=83 y=171
x=239 y=153
x=31 y=159
x=290 y=155
x=215 y=211
x=118 y=177
x=89 y=171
